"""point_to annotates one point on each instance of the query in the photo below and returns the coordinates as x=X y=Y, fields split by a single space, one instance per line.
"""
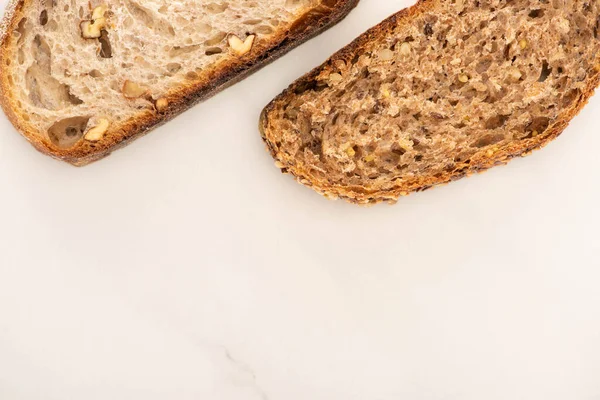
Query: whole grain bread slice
x=80 y=79
x=436 y=92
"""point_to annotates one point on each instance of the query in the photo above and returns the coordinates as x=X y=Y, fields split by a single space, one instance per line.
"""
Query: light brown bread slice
x=434 y=93
x=80 y=79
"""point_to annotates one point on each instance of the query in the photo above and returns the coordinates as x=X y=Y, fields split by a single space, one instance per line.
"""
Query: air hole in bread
x=105 y=45
x=312 y=85
x=67 y=132
x=496 y=122
x=141 y=14
x=488 y=140
x=116 y=86
x=570 y=97
x=264 y=29
x=211 y=51
x=146 y=17
x=216 y=8
x=538 y=125
x=178 y=51
x=47 y=92
x=536 y=13
x=428 y=30
x=41 y=53
x=483 y=65
x=52 y=25
x=315 y=146
x=546 y=71
x=216 y=39
x=44 y=17
x=173 y=68
x=20 y=31
x=44 y=90
x=398 y=149
x=293 y=3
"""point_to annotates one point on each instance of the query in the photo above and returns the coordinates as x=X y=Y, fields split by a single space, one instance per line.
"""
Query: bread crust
x=479 y=163
x=312 y=23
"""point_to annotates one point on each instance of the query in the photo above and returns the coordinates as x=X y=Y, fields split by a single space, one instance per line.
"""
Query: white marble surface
x=187 y=267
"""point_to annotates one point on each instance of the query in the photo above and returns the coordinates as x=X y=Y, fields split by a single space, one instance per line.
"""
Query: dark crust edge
x=316 y=20
x=479 y=163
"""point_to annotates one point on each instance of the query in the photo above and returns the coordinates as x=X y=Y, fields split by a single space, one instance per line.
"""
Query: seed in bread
x=239 y=46
x=92 y=29
x=97 y=132
x=132 y=90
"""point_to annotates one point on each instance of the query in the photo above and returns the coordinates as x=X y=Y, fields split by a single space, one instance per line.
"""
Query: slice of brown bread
x=80 y=79
x=435 y=93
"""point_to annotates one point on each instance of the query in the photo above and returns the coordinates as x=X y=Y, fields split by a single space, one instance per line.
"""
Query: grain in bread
x=434 y=93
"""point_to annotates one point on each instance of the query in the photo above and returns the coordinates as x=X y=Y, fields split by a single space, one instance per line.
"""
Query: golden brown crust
x=313 y=22
x=479 y=163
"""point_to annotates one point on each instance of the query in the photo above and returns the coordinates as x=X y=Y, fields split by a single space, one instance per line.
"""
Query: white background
x=187 y=267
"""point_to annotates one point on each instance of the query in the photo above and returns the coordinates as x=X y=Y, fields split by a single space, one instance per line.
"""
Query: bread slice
x=80 y=79
x=434 y=93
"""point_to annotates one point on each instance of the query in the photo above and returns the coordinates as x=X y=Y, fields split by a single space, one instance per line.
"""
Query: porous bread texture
x=435 y=93
x=56 y=75
x=57 y=85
